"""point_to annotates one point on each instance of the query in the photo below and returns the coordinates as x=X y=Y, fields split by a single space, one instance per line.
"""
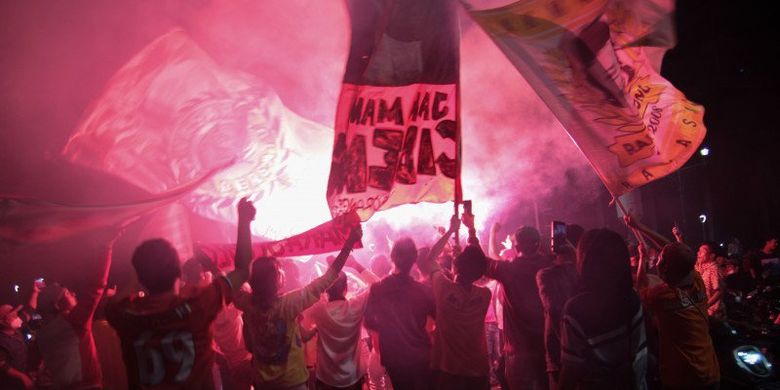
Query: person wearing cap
x=523 y=312
x=65 y=340
x=13 y=351
x=687 y=358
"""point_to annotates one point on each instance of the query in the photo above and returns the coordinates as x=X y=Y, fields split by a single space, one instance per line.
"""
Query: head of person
x=469 y=265
x=603 y=264
x=573 y=233
x=291 y=275
x=338 y=290
x=675 y=263
x=55 y=299
x=266 y=279
x=193 y=274
x=527 y=240
x=380 y=265
x=157 y=266
x=9 y=318
x=403 y=255
x=706 y=253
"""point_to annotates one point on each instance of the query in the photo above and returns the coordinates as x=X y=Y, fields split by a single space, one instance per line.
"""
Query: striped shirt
x=604 y=342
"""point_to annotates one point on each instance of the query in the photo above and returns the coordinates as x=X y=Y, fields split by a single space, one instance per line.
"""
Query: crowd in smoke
x=448 y=315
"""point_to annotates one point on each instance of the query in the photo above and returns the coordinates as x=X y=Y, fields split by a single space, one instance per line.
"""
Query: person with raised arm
x=556 y=283
x=271 y=327
x=166 y=336
x=459 y=347
x=339 y=323
x=522 y=311
x=687 y=357
x=65 y=340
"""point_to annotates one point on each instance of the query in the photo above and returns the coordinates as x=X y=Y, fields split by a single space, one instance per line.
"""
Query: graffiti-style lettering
x=393 y=114
x=406 y=173
x=448 y=129
x=438 y=112
x=348 y=165
x=382 y=177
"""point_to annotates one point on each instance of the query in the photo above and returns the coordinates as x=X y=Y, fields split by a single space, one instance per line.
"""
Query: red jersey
x=167 y=341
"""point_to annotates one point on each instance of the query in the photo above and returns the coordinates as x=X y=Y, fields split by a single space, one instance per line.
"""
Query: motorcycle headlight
x=752 y=360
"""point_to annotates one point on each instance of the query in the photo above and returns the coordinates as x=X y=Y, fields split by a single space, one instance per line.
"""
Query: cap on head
x=676 y=262
x=6 y=310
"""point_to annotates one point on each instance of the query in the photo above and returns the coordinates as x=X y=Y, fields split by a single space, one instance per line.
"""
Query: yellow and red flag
x=595 y=64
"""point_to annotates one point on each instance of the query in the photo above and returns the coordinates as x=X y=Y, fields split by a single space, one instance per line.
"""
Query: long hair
x=264 y=281
x=603 y=264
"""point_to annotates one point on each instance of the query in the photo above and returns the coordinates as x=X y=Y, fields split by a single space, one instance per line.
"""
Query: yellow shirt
x=459 y=346
x=274 y=337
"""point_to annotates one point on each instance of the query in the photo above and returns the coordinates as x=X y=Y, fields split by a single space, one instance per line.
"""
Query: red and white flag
x=396 y=131
x=595 y=64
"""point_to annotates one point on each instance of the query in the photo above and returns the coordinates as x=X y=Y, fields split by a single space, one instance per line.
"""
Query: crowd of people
x=594 y=313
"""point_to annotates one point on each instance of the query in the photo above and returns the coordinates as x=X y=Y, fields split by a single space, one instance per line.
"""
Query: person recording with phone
x=523 y=313
x=557 y=283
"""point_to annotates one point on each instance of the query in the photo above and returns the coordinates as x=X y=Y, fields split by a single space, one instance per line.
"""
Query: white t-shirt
x=339 y=325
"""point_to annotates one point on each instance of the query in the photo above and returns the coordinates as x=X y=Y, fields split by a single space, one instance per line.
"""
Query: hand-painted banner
x=325 y=238
x=595 y=64
x=25 y=220
x=396 y=134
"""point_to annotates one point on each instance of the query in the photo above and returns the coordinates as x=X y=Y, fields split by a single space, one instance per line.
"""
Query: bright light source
x=750 y=357
x=16 y=288
x=702 y=218
x=753 y=361
x=705 y=151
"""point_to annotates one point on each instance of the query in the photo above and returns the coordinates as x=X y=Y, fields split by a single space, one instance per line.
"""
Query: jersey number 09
x=176 y=348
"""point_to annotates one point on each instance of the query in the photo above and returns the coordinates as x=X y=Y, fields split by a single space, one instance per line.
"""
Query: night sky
x=725 y=59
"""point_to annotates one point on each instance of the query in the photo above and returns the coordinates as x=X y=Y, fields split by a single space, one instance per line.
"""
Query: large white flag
x=595 y=64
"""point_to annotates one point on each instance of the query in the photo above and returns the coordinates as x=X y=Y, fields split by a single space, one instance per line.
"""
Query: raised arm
x=37 y=286
x=641 y=269
x=96 y=278
x=354 y=237
x=293 y=303
x=428 y=264
x=468 y=220
x=493 y=251
x=677 y=233
x=634 y=223
x=240 y=274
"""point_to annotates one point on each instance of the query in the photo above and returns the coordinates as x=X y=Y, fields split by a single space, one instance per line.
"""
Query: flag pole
x=458 y=138
x=622 y=208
